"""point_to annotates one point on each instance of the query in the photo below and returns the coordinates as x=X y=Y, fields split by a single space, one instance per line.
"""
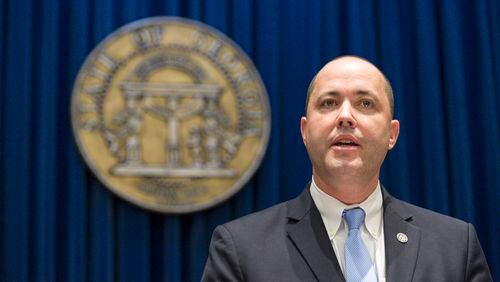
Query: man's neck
x=348 y=192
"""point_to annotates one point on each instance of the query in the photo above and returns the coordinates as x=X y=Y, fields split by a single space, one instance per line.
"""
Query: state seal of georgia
x=170 y=114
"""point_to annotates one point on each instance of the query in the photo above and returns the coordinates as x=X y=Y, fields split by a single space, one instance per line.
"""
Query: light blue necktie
x=357 y=259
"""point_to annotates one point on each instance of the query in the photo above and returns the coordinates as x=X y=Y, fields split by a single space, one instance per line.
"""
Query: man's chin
x=346 y=165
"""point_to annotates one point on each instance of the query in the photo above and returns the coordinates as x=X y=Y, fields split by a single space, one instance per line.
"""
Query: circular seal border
x=266 y=128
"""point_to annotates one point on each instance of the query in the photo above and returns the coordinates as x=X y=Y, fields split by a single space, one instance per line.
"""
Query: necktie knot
x=354 y=217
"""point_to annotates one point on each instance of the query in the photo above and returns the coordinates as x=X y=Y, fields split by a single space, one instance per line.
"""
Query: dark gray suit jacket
x=289 y=242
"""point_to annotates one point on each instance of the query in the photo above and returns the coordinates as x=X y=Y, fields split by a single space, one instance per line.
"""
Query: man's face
x=348 y=128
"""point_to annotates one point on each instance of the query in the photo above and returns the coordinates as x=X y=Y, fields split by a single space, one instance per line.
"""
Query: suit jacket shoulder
x=407 y=209
x=422 y=245
x=240 y=248
x=259 y=223
x=287 y=242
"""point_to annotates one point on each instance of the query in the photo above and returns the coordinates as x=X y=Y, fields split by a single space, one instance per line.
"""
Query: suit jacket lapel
x=401 y=258
x=309 y=235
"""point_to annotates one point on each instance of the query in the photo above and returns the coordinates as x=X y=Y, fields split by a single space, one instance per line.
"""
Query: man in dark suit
x=345 y=226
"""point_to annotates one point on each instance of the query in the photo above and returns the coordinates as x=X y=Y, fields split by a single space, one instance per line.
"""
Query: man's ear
x=303 y=124
x=394 y=133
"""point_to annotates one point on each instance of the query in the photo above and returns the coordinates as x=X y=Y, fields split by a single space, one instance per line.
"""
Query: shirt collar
x=331 y=210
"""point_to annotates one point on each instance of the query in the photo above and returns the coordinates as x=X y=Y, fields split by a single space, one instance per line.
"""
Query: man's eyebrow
x=365 y=93
x=329 y=93
x=357 y=93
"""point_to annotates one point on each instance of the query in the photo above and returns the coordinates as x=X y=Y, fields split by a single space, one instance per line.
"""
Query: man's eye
x=366 y=103
x=328 y=103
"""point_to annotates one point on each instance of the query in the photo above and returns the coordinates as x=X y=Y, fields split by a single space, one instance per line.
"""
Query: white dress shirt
x=372 y=231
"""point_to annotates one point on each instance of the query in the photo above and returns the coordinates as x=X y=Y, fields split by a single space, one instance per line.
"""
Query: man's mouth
x=345 y=143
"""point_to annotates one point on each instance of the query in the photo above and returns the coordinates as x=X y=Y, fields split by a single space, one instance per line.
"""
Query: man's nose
x=345 y=117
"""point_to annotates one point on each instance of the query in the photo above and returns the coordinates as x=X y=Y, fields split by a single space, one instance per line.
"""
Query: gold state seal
x=170 y=114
